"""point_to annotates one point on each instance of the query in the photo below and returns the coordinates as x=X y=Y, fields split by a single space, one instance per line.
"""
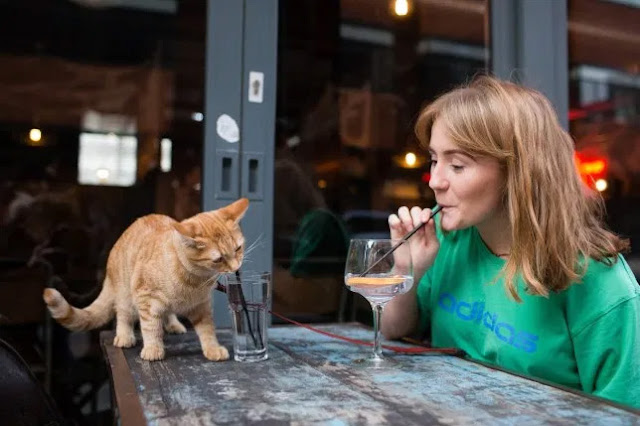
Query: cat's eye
x=238 y=249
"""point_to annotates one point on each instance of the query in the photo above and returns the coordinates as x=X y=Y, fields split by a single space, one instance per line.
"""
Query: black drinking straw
x=243 y=302
x=259 y=330
x=435 y=210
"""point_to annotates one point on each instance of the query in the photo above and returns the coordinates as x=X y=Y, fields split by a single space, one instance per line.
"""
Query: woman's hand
x=424 y=244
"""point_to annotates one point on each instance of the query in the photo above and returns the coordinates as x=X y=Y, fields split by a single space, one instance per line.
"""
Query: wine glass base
x=377 y=362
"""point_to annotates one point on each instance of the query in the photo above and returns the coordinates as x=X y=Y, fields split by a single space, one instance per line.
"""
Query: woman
x=518 y=270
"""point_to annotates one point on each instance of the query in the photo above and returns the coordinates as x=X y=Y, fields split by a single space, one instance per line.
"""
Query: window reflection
x=353 y=74
x=100 y=123
x=604 y=50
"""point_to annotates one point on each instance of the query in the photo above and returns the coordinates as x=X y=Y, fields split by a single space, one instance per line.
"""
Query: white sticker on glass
x=227 y=128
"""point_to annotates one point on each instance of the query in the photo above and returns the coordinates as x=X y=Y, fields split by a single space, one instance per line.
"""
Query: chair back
x=23 y=401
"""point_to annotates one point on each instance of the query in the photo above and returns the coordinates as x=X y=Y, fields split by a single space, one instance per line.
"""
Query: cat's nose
x=234 y=265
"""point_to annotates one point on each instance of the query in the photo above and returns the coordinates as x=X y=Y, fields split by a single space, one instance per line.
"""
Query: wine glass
x=378 y=275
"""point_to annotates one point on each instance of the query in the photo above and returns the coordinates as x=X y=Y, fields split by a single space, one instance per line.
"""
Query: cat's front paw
x=215 y=353
x=152 y=353
x=124 y=341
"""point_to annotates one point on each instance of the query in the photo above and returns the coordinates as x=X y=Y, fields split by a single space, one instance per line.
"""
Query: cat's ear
x=236 y=210
x=187 y=232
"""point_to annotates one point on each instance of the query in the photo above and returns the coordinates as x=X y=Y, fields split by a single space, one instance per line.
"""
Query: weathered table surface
x=311 y=378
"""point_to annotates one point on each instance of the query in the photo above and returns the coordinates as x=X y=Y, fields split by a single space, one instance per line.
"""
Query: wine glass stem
x=377 y=319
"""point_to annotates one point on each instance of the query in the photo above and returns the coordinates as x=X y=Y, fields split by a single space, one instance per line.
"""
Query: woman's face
x=469 y=189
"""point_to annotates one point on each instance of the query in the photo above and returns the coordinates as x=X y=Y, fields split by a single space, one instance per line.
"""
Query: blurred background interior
x=102 y=115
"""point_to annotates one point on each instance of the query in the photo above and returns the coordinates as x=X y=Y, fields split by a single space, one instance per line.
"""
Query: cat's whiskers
x=257 y=243
x=247 y=261
x=212 y=280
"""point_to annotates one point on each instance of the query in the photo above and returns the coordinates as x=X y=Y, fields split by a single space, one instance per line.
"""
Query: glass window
x=352 y=77
x=604 y=116
x=101 y=121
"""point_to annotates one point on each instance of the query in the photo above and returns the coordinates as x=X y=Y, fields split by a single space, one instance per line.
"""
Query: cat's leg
x=202 y=322
x=125 y=319
x=173 y=325
x=151 y=313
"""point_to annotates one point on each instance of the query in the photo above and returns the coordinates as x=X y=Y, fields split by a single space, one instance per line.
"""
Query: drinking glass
x=249 y=298
x=378 y=275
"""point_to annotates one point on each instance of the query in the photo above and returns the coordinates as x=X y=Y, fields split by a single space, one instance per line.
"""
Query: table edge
x=123 y=388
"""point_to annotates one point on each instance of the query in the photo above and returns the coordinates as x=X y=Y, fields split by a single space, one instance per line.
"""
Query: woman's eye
x=432 y=163
x=457 y=168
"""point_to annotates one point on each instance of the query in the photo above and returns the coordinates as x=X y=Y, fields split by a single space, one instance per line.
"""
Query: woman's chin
x=449 y=225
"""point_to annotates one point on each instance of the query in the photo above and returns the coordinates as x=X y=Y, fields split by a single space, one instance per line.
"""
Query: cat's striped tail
x=93 y=316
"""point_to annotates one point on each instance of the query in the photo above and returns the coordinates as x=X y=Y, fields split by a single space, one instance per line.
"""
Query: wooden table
x=311 y=378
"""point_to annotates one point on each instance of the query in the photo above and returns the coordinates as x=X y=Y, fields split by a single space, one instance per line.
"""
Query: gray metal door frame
x=239 y=129
x=529 y=45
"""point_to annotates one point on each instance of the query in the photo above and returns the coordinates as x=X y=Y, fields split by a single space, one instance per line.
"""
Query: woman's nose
x=437 y=181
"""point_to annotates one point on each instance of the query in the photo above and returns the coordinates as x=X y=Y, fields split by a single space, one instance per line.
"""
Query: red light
x=426 y=177
x=591 y=168
x=594 y=167
x=575 y=114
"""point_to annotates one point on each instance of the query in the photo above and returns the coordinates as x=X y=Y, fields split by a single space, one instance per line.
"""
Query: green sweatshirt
x=586 y=337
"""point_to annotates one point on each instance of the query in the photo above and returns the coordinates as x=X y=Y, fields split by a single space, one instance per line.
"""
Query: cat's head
x=213 y=241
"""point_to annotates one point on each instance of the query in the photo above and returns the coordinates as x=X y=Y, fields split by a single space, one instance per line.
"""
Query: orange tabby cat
x=159 y=268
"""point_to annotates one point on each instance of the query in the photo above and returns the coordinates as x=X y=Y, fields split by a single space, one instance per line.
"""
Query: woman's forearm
x=400 y=315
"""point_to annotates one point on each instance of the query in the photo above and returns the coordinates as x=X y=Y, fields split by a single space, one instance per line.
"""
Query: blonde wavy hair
x=556 y=220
